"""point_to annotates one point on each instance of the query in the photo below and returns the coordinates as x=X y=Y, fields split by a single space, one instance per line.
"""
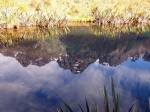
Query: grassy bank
x=47 y=13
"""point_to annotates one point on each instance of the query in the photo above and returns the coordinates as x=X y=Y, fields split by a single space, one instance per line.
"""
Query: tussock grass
x=45 y=13
x=106 y=103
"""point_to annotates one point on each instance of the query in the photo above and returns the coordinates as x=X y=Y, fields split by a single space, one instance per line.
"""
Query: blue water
x=40 y=87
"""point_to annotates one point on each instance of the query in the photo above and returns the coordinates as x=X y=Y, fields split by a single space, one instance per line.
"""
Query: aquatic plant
x=106 y=103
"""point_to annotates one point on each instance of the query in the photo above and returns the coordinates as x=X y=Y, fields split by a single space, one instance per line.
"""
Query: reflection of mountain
x=77 y=51
x=33 y=52
x=109 y=51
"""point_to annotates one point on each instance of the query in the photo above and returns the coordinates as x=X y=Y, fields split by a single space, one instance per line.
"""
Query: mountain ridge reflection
x=78 y=48
x=26 y=87
x=41 y=88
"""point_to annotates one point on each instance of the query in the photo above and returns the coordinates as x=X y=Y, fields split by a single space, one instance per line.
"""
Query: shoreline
x=73 y=24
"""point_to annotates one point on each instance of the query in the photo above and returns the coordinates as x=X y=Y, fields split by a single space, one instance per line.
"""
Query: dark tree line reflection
x=75 y=48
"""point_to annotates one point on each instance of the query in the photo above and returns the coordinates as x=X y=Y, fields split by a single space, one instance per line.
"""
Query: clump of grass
x=123 y=12
x=106 y=104
x=149 y=101
x=46 y=13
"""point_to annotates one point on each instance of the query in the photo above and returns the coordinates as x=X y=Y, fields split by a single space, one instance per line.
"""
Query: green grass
x=106 y=103
x=47 y=13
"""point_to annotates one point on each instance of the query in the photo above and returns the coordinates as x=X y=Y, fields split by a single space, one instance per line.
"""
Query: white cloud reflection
x=42 y=88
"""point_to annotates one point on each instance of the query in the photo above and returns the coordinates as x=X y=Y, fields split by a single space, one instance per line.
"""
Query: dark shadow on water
x=75 y=48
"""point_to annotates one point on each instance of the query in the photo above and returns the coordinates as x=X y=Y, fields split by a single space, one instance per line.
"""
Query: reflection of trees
x=109 y=51
x=40 y=46
x=77 y=43
x=12 y=37
x=33 y=46
x=113 y=30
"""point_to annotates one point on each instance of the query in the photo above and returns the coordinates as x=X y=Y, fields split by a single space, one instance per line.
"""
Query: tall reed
x=106 y=103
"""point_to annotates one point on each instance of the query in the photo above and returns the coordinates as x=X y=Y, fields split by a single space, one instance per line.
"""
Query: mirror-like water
x=41 y=67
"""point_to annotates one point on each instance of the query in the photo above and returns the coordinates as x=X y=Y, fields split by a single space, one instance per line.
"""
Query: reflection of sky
x=139 y=64
x=41 y=89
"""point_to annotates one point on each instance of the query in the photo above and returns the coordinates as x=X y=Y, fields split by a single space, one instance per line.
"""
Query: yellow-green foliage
x=58 y=12
x=115 y=31
x=12 y=36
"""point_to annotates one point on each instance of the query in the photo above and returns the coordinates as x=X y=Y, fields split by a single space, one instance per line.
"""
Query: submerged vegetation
x=107 y=106
x=45 y=13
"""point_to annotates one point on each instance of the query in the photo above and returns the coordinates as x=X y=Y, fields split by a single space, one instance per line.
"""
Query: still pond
x=41 y=67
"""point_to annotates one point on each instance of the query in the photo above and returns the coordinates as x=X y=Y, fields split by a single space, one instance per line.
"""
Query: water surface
x=41 y=67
